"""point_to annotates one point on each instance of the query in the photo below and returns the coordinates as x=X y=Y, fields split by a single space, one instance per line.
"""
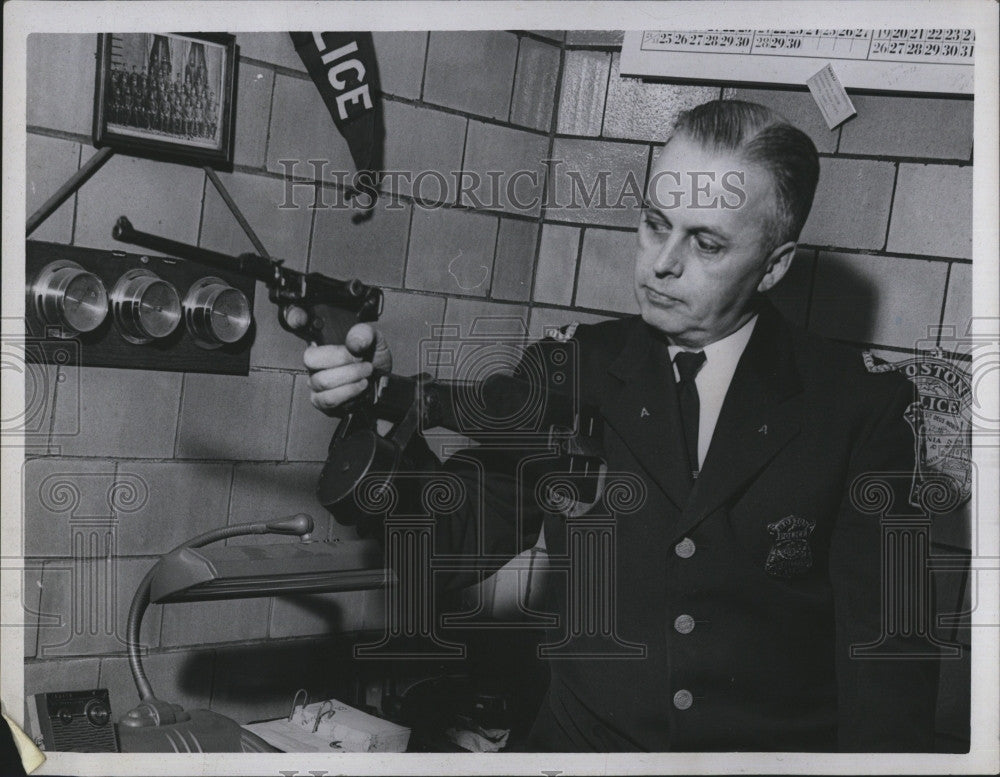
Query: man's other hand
x=339 y=372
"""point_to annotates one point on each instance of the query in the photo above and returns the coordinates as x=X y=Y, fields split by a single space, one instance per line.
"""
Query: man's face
x=705 y=243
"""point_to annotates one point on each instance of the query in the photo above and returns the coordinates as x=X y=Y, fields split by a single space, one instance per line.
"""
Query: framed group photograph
x=167 y=96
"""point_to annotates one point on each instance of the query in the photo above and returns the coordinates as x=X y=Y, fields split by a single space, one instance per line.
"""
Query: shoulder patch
x=941 y=420
x=874 y=364
x=564 y=334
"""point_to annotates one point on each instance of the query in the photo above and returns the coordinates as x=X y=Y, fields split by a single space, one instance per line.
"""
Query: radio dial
x=97 y=713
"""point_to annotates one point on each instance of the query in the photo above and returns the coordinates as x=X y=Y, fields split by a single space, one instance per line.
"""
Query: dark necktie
x=688 y=363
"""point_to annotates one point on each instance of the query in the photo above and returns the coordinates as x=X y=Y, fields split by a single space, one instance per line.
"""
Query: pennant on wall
x=343 y=67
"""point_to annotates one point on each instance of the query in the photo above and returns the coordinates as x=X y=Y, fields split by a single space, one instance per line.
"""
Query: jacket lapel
x=761 y=414
x=645 y=413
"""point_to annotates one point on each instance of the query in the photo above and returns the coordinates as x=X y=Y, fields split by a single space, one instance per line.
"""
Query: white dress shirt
x=713 y=379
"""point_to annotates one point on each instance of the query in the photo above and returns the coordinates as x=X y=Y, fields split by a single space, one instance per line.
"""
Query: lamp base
x=155 y=726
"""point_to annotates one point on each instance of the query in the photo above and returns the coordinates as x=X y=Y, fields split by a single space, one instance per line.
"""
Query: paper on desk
x=291 y=738
x=485 y=740
x=341 y=729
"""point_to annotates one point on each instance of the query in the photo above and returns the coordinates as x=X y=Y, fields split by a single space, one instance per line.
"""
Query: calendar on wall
x=901 y=60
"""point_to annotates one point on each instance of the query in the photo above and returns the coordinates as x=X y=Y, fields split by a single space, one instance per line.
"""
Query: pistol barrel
x=287 y=286
x=249 y=264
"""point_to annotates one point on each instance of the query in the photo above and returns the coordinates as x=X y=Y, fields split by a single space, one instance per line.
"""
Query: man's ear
x=778 y=262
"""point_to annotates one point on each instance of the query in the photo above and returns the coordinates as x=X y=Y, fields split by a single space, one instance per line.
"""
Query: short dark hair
x=764 y=137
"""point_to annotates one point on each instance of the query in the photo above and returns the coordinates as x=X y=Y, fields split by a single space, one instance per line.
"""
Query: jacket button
x=685 y=548
x=683 y=699
x=684 y=624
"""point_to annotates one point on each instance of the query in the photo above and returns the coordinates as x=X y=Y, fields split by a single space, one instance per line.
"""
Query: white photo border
x=25 y=17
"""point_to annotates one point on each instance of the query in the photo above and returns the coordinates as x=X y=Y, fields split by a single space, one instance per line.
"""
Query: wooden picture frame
x=167 y=96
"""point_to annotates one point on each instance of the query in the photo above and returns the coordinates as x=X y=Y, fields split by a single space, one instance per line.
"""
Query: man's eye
x=657 y=225
x=707 y=246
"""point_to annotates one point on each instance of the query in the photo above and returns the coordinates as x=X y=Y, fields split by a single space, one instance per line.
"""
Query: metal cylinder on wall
x=145 y=307
x=216 y=313
x=68 y=298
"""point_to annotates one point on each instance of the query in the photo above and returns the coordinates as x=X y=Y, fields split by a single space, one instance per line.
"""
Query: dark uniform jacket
x=736 y=598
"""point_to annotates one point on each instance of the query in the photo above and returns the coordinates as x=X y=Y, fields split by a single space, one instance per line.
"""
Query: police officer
x=749 y=579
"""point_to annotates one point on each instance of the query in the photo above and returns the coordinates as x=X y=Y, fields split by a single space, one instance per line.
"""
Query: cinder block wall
x=886 y=254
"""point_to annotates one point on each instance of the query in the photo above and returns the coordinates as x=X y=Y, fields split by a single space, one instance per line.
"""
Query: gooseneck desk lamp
x=190 y=573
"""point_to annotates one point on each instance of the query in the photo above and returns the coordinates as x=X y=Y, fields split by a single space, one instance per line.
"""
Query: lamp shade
x=234 y=571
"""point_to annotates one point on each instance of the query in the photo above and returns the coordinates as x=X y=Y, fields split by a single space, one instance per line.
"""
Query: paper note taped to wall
x=830 y=96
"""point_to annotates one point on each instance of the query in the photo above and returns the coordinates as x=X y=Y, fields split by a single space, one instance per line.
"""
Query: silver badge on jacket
x=790 y=555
